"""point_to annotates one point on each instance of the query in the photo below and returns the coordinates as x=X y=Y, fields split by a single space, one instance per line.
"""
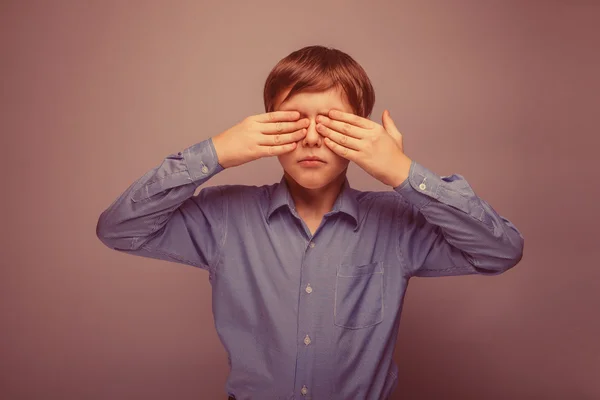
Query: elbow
x=119 y=235
x=518 y=253
x=511 y=256
x=105 y=232
x=501 y=261
x=515 y=251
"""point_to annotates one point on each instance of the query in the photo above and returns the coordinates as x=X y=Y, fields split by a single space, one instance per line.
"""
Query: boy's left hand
x=376 y=149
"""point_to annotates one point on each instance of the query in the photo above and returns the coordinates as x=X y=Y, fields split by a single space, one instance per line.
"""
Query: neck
x=314 y=203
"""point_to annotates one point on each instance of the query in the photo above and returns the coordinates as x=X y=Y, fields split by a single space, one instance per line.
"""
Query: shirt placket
x=307 y=337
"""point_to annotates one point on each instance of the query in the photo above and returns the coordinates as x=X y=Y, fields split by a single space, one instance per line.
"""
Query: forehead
x=315 y=102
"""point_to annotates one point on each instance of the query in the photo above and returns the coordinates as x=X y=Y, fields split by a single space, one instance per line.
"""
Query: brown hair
x=319 y=68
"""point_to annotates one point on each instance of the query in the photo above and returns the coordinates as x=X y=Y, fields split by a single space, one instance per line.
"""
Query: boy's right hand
x=257 y=136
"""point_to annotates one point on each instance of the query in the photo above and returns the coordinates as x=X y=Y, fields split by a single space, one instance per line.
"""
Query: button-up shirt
x=301 y=315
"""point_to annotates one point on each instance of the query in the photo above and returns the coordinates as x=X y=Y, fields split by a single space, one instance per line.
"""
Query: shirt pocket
x=359 y=295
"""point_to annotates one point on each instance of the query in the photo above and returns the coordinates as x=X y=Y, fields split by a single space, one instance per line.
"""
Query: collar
x=346 y=201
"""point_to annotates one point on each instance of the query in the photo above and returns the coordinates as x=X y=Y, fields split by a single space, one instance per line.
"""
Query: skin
x=313 y=189
x=317 y=124
x=337 y=136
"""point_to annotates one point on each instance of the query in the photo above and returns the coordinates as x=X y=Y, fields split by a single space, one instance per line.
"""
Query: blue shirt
x=306 y=316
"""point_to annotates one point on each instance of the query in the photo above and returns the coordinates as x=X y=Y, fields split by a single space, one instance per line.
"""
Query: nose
x=312 y=138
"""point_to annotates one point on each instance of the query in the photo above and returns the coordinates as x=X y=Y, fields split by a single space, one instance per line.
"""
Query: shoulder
x=238 y=194
x=385 y=206
x=236 y=191
x=370 y=198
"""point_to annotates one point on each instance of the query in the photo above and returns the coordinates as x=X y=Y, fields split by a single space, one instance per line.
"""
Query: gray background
x=95 y=93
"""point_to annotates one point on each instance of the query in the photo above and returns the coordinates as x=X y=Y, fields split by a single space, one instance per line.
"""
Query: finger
x=351 y=119
x=279 y=139
x=342 y=151
x=339 y=138
x=283 y=127
x=276 y=116
x=343 y=127
x=268 y=151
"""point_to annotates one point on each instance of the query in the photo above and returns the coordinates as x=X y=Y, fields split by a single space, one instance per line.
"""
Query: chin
x=313 y=179
x=312 y=183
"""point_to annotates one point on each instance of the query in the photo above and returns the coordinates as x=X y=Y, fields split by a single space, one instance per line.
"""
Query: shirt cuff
x=421 y=186
x=202 y=161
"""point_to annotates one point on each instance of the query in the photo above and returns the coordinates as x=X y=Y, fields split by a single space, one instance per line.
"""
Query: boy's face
x=313 y=175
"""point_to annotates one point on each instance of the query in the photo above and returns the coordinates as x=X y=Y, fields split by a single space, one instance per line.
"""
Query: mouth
x=311 y=158
x=311 y=162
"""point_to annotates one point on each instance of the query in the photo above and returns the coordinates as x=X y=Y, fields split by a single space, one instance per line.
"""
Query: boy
x=308 y=275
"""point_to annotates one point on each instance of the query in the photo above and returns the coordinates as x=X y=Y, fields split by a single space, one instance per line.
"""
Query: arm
x=158 y=216
x=454 y=232
x=450 y=231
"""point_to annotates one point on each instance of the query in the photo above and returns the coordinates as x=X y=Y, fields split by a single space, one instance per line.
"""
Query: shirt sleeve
x=159 y=217
x=451 y=231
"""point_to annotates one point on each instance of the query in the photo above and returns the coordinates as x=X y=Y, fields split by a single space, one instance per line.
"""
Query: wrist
x=218 y=145
x=401 y=171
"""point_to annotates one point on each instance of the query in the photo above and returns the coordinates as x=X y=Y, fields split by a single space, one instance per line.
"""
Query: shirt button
x=304 y=390
x=307 y=340
x=312 y=244
x=422 y=186
x=308 y=289
x=205 y=169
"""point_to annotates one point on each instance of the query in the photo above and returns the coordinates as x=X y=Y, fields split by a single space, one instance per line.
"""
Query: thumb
x=389 y=125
